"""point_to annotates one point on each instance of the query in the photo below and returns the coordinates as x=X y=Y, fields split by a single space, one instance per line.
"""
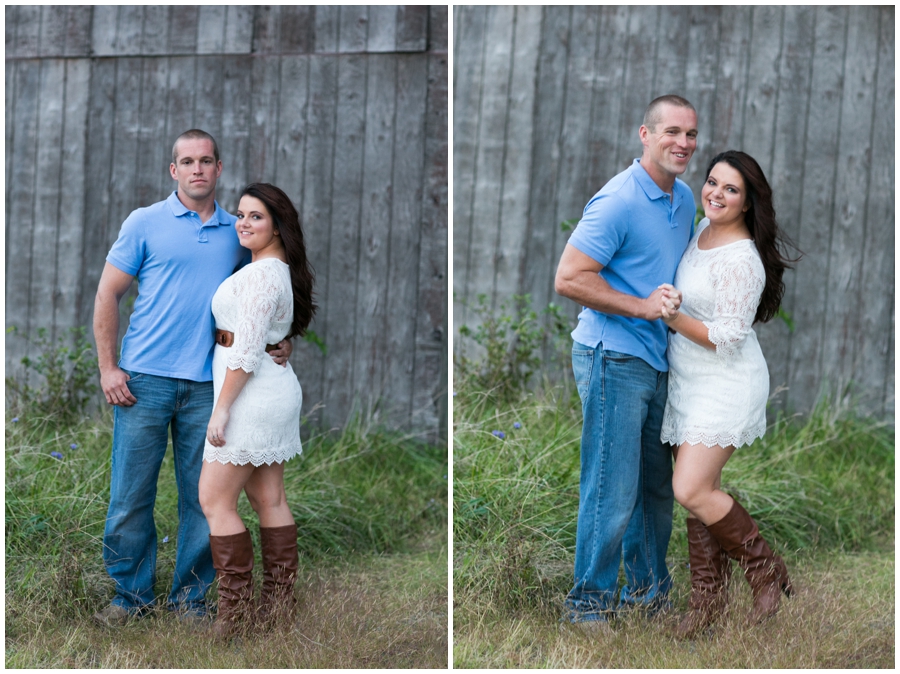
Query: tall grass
x=825 y=482
x=356 y=496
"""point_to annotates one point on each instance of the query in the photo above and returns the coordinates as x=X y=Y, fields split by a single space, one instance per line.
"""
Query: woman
x=730 y=277
x=255 y=424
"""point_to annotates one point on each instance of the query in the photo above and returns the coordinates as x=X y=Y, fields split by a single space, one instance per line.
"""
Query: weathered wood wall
x=345 y=108
x=547 y=105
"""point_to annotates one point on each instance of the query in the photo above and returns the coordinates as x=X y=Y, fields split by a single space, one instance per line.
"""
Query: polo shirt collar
x=179 y=209
x=651 y=189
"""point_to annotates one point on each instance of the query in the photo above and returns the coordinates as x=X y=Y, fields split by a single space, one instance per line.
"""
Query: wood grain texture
x=336 y=105
x=807 y=91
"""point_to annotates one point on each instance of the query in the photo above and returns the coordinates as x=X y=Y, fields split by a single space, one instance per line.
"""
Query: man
x=180 y=249
x=628 y=242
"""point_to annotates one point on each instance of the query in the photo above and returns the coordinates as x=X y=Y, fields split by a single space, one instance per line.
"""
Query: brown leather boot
x=738 y=534
x=233 y=559
x=280 y=562
x=710 y=571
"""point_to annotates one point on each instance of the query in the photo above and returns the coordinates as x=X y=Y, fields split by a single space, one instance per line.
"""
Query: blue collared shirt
x=179 y=263
x=638 y=233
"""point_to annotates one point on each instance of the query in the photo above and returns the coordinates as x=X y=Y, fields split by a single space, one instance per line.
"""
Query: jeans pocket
x=618 y=357
x=582 y=366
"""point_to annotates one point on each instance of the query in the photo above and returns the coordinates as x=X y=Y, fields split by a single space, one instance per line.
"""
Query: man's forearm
x=592 y=291
x=106 y=331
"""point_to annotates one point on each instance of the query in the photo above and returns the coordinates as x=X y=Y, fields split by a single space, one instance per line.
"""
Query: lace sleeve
x=257 y=296
x=739 y=285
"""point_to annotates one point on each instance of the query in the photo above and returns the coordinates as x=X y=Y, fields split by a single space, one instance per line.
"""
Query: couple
x=705 y=396
x=217 y=292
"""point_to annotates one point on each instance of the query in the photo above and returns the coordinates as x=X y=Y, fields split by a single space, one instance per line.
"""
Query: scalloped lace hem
x=709 y=439
x=242 y=458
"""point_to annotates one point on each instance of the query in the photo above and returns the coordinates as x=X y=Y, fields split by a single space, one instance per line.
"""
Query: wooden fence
x=345 y=108
x=547 y=105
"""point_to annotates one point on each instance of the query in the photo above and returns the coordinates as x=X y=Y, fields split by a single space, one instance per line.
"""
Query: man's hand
x=671 y=302
x=283 y=352
x=115 y=387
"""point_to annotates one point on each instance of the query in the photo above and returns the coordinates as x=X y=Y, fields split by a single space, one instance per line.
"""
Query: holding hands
x=664 y=303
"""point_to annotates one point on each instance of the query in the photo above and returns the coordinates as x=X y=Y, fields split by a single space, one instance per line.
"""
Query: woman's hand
x=672 y=302
x=215 y=431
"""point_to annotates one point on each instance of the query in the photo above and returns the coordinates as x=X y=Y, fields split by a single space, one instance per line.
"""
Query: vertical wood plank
x=103 y=33
x=239 y=29
x=491 y=140
x=786 y=175
x=179 y=112
x=52 y=42
x=700 y=87
x=843 y=291
x=20 y=193
x=403 y=270
x=469 y=25
x=382 y=28
x=874 y=358
x=71 y=293
x=297 y=24
x=262 y=159
x=762 y=84
x=129 y=29
x=371 y=288
x=671 y=72
x=724 y=129
x=28 y=31
x=438 y=33
x=46 y=196
x=518 y=139
x=412 y=28
x=211 y=29
x=208 y=100
x=641 y=31
x=155 y=36
x=234 y=139
x=316 y=213
x=154 y=147
x=817 y=207
x=99 y=231
x=11 y=19
x=430 y=396
x=344 y=235
x=327 y=28
x=542 y=255
x=354 y=29
x=78 y=31
x=183 y=28
x=266 y=29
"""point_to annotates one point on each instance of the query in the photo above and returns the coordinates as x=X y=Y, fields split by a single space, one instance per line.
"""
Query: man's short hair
x=194 y=134
x=653 y=115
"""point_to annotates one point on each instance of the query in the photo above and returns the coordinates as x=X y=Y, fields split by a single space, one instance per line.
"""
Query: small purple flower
x=15 y=420
x=56 y=455
x=517 y=425
x=74 y=445
x=499 y=434
x=166 y=539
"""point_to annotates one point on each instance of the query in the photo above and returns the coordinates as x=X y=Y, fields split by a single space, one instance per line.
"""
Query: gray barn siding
x=547 y=104
x=345 y=108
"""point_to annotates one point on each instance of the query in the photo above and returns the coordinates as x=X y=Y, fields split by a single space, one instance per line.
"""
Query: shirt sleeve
x=602 y=228
x=739 y=287
x=257 y=293
x=128 y=252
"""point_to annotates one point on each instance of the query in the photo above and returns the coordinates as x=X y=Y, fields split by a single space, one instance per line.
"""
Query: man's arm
x=282 y=353
x=114 y=283
x=578 y=278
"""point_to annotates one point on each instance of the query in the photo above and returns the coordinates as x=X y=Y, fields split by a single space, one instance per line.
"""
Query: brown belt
x=226 y=338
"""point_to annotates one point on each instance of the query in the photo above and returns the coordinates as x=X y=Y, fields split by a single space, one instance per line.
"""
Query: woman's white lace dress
x=257 y=305
x=718 y=397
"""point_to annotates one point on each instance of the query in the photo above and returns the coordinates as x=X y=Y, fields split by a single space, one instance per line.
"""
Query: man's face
x=671 y=143
x=196 y=168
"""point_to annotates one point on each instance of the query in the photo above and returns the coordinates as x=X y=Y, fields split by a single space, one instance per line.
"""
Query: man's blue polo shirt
x=638 y=233
x=179 y=263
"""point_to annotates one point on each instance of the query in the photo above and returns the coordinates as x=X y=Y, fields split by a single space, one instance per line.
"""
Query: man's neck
x=204 y=208
x=664 y=180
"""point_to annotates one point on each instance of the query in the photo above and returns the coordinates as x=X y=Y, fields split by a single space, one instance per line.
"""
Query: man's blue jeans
x=140 y=437
x=626 y=499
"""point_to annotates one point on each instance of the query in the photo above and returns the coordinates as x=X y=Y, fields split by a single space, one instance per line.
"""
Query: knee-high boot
x=738 y=534
x=280 y=562
x=710 y=571
x=233 y=560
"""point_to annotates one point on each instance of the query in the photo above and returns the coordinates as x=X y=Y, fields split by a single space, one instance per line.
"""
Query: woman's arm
x=234 y=383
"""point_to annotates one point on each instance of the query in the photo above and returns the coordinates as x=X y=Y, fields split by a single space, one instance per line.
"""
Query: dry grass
x=842 y=616
x=372 y=612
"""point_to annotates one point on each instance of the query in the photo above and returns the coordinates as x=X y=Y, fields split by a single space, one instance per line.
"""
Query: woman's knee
x=689 y=494
x=268 y=498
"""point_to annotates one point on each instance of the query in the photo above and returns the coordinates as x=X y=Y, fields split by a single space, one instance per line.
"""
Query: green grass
x=371 y=507
x=822 y=490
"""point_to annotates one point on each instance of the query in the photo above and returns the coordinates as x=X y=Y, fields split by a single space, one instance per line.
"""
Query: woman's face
x=255 y=227
x=724 y=195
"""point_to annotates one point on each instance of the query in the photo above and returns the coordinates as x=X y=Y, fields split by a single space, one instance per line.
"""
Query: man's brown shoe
x=112 y=616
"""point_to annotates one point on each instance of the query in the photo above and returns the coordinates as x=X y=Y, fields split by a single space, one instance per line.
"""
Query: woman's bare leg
x=265 y=491
x=220 y=487
x=697 y=479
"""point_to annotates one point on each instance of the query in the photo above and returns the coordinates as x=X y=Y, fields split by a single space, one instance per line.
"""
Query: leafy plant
x=513 y=338
x=67 y=371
